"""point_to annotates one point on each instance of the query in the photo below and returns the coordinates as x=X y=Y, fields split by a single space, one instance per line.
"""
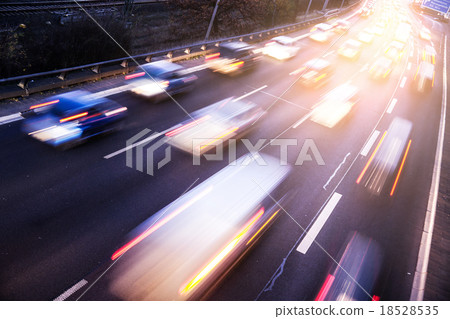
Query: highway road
x=65 y=213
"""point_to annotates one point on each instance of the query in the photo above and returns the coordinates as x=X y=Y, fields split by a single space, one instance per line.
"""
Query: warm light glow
x=401 y=168
x=186 y=126
x=43 y=104
x=119 y=110
x=212 y=56
x=220 y=137
x=158 y=225
x=371 y=158
x=73 y=117
x=237 y=64
x=135 y=75
x=222 y=254
x=325 y=288
x=262 y=227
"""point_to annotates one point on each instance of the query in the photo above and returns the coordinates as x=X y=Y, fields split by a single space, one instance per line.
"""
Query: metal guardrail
x=98 y=70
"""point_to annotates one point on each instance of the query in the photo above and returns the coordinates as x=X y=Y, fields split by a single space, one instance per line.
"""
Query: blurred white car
x=321 y=32
x=365 y=37
x=425 y=34
x=281 y=48
x=350 y=49
x=335 y=105
x=213 y=125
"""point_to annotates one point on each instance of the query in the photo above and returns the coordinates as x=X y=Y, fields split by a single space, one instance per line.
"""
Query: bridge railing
x=37 y=82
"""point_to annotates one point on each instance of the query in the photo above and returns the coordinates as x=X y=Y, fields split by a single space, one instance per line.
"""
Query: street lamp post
x=212 y=20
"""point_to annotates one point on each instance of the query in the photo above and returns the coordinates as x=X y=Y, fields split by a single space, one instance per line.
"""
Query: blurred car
x=233 y=58
x=381 y=69
x=321 y=32
x=335 y=105
x=68 y=119
x=365 y=37
x=425 y=34
x=394 y=51
x=183 y=251
x=281 y=48
x=366 y=12
x=423 y=80
x=341 y=26
x=157 y=79
x=386 y=162
x=429 y=54
x=350 y=49
x=314 y=73
x=402 y=32
x=378 y=30
x=354 y=276
x=213 y=125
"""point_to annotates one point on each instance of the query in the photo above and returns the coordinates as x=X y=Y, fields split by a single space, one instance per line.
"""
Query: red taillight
x=186 y=126
x=237 y=64
x=73 y=117
x=375 y=298
x=135 y=75
x=325 y=288
x=212 y=56
x=43 y=104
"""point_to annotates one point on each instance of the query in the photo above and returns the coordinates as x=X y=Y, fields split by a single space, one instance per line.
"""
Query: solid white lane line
x=10 y=118
x=402 y=84
x=391 y=106
x=409 y=66
x=148 y=139
x=370 y=143
x=66 y=294
x=335 y=171
x=420 y=275
x=250 y=93
x=310 y=237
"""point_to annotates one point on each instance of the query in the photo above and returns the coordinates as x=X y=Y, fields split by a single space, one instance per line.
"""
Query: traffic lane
x=59 y=217
x=309 y=185
x=367 y=110
x=394 y=222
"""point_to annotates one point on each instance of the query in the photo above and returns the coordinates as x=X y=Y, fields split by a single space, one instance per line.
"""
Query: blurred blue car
x=68 y=119
x=154 y=79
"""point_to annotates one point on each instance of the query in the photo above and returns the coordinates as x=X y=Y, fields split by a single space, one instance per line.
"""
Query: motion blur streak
x=371 y=158
x=136 y=75
x=184 y=127
x=401 y=168
x=122 y=109
x=73 y=117
x=158 y=225
x=325 y=288
x=262 y=227
x=211 y=265
x=233 y=129
x=43 y=104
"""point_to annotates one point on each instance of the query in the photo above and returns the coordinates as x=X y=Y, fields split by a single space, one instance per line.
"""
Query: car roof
x=76 y=100
x=324 y=26
x=426 y=69
x=236 y=46
x=284 y=39
x=383 y=61
x=317 y=64
x=160 y=67
x=353 y=42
